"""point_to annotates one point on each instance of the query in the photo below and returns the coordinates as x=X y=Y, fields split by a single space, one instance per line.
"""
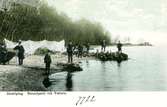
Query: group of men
x=71 y=48
x=70 y=52
x=103 y=46
x=47 y=59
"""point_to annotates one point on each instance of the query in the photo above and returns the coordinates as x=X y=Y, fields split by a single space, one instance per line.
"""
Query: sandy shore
x=28 y=77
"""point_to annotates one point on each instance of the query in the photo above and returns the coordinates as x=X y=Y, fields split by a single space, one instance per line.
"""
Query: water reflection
x=69 y=82
x=119 y=63
x=46 y=81
x=103 y=66
x=120 y=85
x=87 y=63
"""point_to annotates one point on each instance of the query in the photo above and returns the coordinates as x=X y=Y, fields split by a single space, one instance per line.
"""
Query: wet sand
x=21 y=80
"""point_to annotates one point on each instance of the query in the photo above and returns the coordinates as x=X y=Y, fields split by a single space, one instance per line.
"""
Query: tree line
x=30 y=23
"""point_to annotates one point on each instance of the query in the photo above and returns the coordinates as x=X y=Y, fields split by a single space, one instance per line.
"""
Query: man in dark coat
x=21 y=51
x=70 y=50
x=47 y=61
x=80 y=51
x=119 y=46
x=87 y=48
x=103 y=46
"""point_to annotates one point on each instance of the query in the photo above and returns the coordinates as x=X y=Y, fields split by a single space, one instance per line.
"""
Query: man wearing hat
x=20 y=50
x=47 y=61
x=70 y=51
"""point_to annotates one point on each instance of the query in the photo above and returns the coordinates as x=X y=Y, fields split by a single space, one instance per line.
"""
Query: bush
x=43 y=51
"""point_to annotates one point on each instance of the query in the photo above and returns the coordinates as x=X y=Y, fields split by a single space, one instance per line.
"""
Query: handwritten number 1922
x=87 y=99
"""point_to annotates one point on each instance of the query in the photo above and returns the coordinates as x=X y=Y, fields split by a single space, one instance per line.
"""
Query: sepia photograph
x=83 y=45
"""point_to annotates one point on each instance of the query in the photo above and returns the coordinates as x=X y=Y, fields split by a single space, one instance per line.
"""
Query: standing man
x=103 y=46
x=47 y=61
x=119 y=46
x=87 y=48
x=20 y=50
x=80 y=51
x=4 y=43
x=70 y=49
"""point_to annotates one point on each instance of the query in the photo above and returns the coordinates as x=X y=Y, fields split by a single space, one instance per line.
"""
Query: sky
x=141 y=20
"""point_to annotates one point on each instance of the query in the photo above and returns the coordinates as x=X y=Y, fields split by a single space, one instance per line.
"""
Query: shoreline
x=30 y=76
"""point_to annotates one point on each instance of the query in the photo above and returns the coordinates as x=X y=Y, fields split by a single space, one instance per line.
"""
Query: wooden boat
x=6 y=56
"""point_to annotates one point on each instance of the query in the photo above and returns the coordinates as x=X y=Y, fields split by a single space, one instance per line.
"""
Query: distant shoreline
x=127 y=45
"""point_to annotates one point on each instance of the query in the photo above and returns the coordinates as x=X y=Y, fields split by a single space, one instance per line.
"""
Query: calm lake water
x=146 y=70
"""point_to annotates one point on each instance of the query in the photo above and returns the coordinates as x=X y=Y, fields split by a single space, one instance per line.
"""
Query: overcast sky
x=139 y=19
